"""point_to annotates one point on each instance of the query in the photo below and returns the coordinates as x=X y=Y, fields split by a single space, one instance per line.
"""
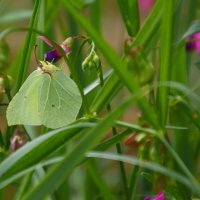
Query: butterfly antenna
x=36 y=57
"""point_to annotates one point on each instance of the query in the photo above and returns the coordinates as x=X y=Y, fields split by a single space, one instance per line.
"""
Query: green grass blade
x=194 y=184
x=27 y=47
x=150 y=27
x=95 y=14
x=58 y=174
x=98 y=180
x=165 y=60
x=119 y=67
x=38 y=149
x=15 y=16
x=23 y=186
x=144 y=164
x=113 y=140
x=105 y=95
x=194 y=28
x=6 y=181
x=134 y=16
x=124 y=9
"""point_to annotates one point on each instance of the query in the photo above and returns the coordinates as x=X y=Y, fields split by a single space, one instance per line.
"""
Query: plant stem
x=118 y=146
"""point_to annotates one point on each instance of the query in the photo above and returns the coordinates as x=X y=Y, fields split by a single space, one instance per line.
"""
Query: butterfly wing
x=59 y=101
x=23 y=108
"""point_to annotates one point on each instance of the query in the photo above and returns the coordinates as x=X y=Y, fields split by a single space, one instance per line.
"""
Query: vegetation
x=97 y=118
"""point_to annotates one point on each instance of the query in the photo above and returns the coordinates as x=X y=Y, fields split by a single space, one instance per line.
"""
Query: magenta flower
x=159 y=196
x=193 y=43
x=145 y=6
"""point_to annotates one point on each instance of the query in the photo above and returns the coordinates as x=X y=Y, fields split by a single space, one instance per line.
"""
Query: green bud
x=96 y=60
x=91 y=65
x=68 y=42
x=84 y=64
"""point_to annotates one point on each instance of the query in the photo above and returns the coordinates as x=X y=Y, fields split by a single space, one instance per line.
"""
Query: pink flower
x=159 y=196
x=145 y=6
x=18 y=139
x=193 y=43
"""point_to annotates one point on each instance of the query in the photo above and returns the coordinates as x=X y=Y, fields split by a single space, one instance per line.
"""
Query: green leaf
x=52 y=100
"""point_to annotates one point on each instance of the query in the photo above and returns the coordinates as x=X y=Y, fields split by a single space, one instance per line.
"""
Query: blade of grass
x=23 y=186
x=119 y=67
x=14 y=16
x=194 y=28
x=95 y=14
x=134 y=16
x=38 y=149
x=93 y=171
x=165 y=59
x=102 y=146
x=27 y=47
x=194 y=185
x=105 y=95
x=150 y=27
x=144 y=164
x=124 y=9
x=41 y=27
x=58 y=174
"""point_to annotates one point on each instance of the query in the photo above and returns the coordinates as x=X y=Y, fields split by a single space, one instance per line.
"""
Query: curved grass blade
x=38 y=149
x=14 y=16
x=144 y=164
x=58 y=174
x=194 y=28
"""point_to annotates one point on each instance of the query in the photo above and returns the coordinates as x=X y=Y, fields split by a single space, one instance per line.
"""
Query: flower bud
x=18 y=140
x=85 y=63
x=96 y=60
x=91 y=64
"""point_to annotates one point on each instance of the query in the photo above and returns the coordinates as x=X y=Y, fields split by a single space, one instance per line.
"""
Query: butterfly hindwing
x=61 y=102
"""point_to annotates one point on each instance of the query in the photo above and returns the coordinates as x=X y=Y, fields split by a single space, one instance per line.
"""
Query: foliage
x=106 y=151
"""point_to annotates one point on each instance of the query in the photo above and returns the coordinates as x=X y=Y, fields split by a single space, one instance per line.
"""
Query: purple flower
x=18 y=140
x=54 y=55
x=193 y=43
x=159 y=196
